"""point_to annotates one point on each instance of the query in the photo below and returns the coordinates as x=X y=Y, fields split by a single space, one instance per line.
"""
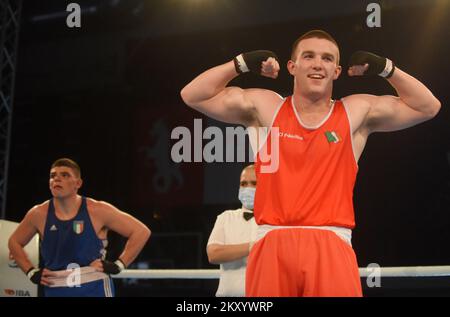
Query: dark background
x=107 y=95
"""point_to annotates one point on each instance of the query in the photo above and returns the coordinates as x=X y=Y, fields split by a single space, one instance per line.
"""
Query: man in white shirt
x=232 y=237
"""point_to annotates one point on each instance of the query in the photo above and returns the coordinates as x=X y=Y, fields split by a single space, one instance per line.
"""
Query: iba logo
x=16 y=292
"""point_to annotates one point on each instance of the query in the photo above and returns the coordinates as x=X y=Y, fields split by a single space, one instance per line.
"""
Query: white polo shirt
x=232 y=228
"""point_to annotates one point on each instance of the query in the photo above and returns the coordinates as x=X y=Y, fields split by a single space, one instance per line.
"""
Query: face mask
x=247 y=196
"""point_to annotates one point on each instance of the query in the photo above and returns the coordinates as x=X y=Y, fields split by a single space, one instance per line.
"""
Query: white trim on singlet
x=321 y=123
x=343 y=233
x=351 y=132
x=254 y=143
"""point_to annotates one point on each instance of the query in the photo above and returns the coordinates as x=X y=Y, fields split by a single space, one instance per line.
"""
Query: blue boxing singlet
x=74 y=241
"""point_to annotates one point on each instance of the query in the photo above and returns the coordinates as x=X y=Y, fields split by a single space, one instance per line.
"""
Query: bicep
x=390 y=113
x=232 y=105
x=25 y=231
x=120 y=222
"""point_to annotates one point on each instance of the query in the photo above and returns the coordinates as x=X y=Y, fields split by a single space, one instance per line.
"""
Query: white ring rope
x=400 y=271
x=408 y=271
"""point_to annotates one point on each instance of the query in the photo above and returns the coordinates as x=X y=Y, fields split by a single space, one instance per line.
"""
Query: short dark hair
x=249 y=167
x=68 y=163
x=318 y=34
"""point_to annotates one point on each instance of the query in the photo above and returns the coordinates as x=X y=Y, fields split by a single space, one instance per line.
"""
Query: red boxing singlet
x=313 y=185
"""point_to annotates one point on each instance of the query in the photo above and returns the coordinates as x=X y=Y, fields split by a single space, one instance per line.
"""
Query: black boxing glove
x=378 y=65
x=251 y=61
x=35 y=275
x=113 y=267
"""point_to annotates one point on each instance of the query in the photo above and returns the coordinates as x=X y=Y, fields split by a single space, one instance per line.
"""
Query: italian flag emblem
x=78 y=226
x=333 y=137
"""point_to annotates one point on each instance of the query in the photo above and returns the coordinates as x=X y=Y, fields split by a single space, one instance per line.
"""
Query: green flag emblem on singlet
x=78 y=226
x=332 y=137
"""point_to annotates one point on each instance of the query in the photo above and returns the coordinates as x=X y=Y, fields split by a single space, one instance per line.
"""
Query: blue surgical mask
x=247 y=196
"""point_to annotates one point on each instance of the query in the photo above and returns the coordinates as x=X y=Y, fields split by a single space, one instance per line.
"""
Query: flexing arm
x=209 y=94
x=414 y=94
x=218 y=254
x=415 y=102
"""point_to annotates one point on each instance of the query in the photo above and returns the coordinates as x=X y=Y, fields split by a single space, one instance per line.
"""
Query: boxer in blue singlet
x=73 y=232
